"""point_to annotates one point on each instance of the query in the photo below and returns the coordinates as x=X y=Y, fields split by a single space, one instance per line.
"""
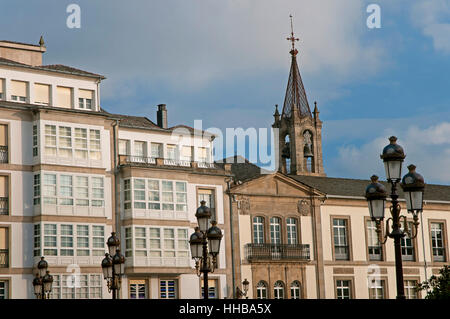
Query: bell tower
x=300 y=131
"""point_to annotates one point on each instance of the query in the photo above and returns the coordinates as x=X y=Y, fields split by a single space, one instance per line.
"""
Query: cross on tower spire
x=292 y=38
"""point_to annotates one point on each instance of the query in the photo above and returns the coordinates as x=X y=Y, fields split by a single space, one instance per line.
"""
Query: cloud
x=431 y=18
x=190 y=45
x=428 y=148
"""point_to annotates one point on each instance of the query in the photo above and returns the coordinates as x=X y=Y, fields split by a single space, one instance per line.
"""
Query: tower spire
x=295 y=100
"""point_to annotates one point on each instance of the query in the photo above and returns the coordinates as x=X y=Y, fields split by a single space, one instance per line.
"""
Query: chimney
x=23 y=53
x=161 y=116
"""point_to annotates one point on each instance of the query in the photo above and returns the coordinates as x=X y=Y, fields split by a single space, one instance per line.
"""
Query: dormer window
x=19 y=91
x=85 y=99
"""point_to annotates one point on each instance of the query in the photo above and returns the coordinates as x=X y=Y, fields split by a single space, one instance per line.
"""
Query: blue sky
x=227 y=63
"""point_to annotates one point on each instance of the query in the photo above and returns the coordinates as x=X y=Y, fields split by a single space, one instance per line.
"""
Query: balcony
x=4 y=205
x=4 y=258
x=154 y=162
x=3 y=154
x=277 y=252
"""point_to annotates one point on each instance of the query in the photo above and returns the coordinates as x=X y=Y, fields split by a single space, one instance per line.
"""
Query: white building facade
x=71 y=173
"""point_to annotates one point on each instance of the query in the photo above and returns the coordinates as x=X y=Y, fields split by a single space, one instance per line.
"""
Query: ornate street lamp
x=113 y=265
x=243 y=293
x=200 y=240
x=42 y=283
x=413 y=187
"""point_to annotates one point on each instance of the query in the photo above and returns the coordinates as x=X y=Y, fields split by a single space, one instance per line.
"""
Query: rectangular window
x=208 y=195
x=155 y=242
x=291 y=225
x=50 y=240
x=137 y=289
x=140 y=149
x=343 y=290
x=97 y=191
x=410 y=289
x=212 y=289
x=437 y=241
x=19 y=91
x=140 y=241
x=4 y=289
x=275 y=230
x=341 y=248
x=171 y=152
x=407 y=245
x=66 y=240
x=35 y=141
x=85 y=98
x=65 y=142
x=203 y=154
x=64 y=97
x=168 y=289
x=98 y=240
x=124 y=147
x=4 y=247
x=154 y=194
x=2 y=90
x=82 y=190
x=139 y=193
x=49 y=189
x=374 y=245
x=90 y=287
x=81 y=147
x=376 y=289
x=82 y=240
x=94 y=145
x=37 y=189
x=187 y=153
x=50 y=140
x=127 y=193
x=156 y=150
x=37 y=240
x=128 y=242
x=41 y=94
x=258 y=230
x=65 y=190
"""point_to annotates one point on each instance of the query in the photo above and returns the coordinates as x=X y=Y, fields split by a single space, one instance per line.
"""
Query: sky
x=227 y=62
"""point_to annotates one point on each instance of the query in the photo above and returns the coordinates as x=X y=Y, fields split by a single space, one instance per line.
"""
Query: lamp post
x=202 y=239
x=243 y=293
x=43 y=281
x=113 y=265
x=413 y=186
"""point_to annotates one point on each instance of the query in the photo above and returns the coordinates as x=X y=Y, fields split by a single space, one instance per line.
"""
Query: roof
x=22 y=43
x=69 y=69
x=334 y=186
x=52 y=68
x=142 y=122
x=357 y=187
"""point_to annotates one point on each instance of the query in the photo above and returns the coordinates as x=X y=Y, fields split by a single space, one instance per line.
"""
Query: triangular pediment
x=275 y=184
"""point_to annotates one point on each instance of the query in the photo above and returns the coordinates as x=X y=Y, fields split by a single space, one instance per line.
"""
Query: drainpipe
x=231 y=237
x=116 y=186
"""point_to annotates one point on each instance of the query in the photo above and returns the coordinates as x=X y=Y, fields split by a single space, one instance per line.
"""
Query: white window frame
x=96 y=241
x=258 y=230
x=292 y=230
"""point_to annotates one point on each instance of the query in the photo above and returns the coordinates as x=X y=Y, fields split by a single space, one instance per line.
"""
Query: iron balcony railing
x=4 y=205
x=4 y=258
x=3 y=154
x=260 y=252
